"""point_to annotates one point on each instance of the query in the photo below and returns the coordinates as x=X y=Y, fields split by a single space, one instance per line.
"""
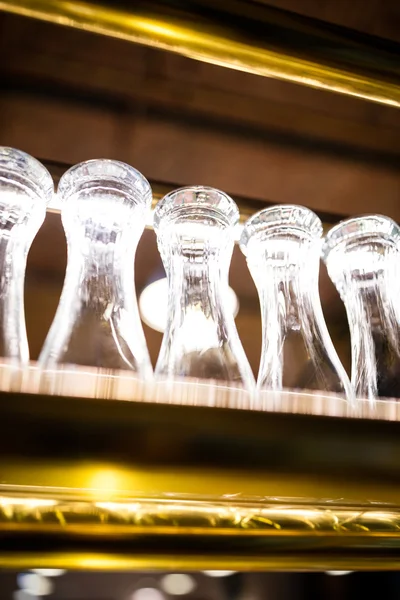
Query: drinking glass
x=26 y=187
x=195 y=234
x=363 y=260
x=282 y=245
x=104 y=209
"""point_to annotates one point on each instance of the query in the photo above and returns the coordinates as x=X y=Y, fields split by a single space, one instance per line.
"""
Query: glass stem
x=13 y=254
x=290 y=306
x=193 y=305
x=98 y=283
x=369 y=313
x=98 y=290
x=286 y=306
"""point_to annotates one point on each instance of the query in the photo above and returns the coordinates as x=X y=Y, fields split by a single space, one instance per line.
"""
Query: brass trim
x=106 y=484
x=244 y=36
x=74 y=531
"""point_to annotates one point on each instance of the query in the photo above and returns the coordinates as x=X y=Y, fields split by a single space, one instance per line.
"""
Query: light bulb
x=219 y=573
x=153 y=304
x=50 y=572
x=178 y=584
x=35 y=584
x=147 y=593
x=336 y=573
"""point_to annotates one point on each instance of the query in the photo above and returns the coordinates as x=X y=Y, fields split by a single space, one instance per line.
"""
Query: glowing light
x=26 y=502
x=105 y=480
x=35 y=584
x=119 y=506
x=55 y=205
x=50 y=572
x=153 y=304
x=375 y=515
x=22 y=595
x=219 y=573
x=178 y=584
x=338 y=572
x=147 y=594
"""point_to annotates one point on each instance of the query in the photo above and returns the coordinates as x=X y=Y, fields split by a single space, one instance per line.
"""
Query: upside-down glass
x=25 y=189
x=104 y=208
x=282 y=245
x=195 y=233
x=363 y=261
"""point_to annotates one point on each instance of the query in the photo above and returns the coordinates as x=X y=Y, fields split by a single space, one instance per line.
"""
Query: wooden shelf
x=104 y=484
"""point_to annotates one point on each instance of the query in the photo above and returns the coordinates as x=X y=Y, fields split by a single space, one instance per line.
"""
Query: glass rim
x=13 y=160
x=106 y=169
x=165 y=206
x=349 y=230
x=270 y=220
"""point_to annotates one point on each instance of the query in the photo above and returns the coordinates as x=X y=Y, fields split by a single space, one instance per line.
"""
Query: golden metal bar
x=171 y=532
x=241 y=35
x=105 y=484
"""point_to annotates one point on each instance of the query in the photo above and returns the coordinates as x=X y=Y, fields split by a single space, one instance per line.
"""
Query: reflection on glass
x=363 y=260
x=195 y=233
x=25 y=189
x=282 y=245
x=153 y=304
x=104 y=209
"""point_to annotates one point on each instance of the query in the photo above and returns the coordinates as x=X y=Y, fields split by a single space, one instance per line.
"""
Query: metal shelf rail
x=107 y=482
x=242 y=35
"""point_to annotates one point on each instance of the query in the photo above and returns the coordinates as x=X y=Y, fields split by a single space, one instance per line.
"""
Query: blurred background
x=200 y=586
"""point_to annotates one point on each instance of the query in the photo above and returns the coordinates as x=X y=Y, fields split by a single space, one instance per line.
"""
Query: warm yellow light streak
x=28 y=503
x=215 y=48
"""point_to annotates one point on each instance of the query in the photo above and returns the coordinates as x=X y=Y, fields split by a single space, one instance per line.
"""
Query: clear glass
x=195 y=233
x=362 y=257
x=25 y=189
x=282 y=245
x=104 y=208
